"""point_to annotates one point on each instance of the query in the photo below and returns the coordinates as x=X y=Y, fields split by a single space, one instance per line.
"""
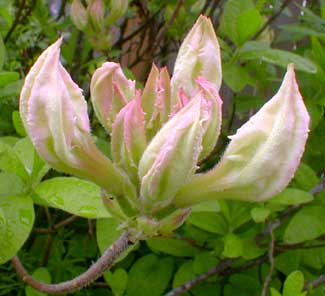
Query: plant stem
x=95 y=271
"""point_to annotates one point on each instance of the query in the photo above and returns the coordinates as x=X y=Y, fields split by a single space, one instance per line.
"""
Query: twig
x=268 y=278
x=314 y=283
x=271 y=19
x=167 y=25
x=95 y=271
x=55 y=227
x=224 y=264
x=16 y=21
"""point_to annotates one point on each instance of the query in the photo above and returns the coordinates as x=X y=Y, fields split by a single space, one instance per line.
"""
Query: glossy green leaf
x=16 y=222
x=117 y=281
x=10 y=184
x=260 y=214
x=233 y=246
x=279 y=57
x=294 y=284
x=307 y=224
x=149 y=276
x=305 y=177
x=171 y=246
x=292 y=196
x=248 y=23
x=18 y=124
x=209 y=221
x=73 y=195
x=8 y=77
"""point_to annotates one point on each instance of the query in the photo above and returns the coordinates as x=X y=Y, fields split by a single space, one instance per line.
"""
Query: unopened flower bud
x=262 y=156
x=78 y=14
x=110 y=91
x=96 y=12
x=199 y=55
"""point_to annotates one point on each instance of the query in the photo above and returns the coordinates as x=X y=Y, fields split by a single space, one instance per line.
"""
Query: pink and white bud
x=118 y=8
x=129 y=137
x=78 y=14
x=54 y=113
x=262 y=156
x=210 y=92
x=156 y=100
x=169 y=161
x=199 y=55
x=96 y=12
x=110 y=91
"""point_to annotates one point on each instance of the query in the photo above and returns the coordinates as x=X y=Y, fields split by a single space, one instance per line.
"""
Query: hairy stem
x=95 y=271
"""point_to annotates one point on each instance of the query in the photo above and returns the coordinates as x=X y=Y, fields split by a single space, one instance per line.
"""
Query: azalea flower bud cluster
x=159 y=134
x=96 y=21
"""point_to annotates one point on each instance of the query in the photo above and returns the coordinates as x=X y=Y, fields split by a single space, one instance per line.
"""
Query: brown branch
x=271 y=19
x=95 y=271
x=223 y=270
x=167 y=25
x=314 y=283
x=56 y=226
x=223 y=265
x=16 y=21
x=268 y=278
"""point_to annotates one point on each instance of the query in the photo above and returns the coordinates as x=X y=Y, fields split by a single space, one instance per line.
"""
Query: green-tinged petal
x=262 y=156
x=54 y=113
x=129 y=137
x=170 y=159
x=199 y=55
x=156 y=100
x=110 y=91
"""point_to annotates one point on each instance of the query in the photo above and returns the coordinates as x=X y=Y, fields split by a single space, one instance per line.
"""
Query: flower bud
x=54 y=113
x=199 y=55
x=110 y=91
x=156 y=100
x=78 y=15
x=262 y=156
x=118 y=8
x=129 y=137
x=96 y=12
x=170 y=159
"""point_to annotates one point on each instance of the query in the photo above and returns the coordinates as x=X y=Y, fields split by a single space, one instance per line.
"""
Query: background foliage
x=273 y=248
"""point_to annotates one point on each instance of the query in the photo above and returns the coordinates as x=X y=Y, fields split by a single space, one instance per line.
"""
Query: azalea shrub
x=205 y=181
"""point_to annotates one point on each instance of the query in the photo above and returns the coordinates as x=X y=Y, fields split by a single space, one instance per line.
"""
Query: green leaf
x=73 y=195
x=18 y=124
x=149 y=276
x=294 y=284
x=231 y=12
x=10 y=184
x=8 y=77
x=307 y=224
x=236 y=77
x=274 y=292
x=184 y=274
x=16 y=222
x=233 y=246
x=33 y=164
x=12 y=89
x=107 y=232
x=11 y=163
x=279 y=57
x=260 y=214
x=208 y=206
x=248 y=23
x=305 y=177
x=292 y=196
x=41 y=274
x=2 y=53
x=117 y=281
x=203 y=262
x=175 y=247
x=209 y=221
